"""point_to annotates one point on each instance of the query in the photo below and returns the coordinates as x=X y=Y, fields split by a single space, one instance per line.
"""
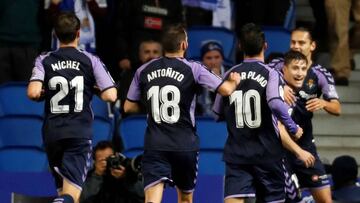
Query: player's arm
x=307 y=158
x=131 y=104
x=229 y=85
x=109 y=95
x=211 y=81
x=131 y=107
x=330 y=101
x=34 y=90
x=277 y=105
x=105 y=85
x=332 y=107
x=218 y=108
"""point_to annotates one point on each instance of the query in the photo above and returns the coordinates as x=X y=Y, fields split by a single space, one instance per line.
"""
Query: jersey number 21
x=77 y=83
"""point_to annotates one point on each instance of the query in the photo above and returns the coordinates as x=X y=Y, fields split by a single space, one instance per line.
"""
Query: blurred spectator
x=140 y=20
x=105 y=184
x=208 y=12
x=81 y=10
x=222 y=14
x=344 y=174
x=20 y=38
x=338 y=13
x=148 y=50
x=103 y=13
x=212 y=55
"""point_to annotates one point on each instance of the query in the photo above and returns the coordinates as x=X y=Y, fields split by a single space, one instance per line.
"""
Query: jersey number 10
x=243 y=110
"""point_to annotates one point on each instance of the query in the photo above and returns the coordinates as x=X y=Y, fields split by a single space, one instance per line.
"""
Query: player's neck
x=71 y=44
x=309 y=62
x=175 y=54
x=257 y=57
x=260 y=56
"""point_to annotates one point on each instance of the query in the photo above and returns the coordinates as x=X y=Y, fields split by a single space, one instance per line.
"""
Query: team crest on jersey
x=310 y=83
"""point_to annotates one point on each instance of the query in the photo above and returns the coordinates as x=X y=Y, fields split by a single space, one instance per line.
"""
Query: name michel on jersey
x=254 y=76
x=165 y=72
x=60 y=65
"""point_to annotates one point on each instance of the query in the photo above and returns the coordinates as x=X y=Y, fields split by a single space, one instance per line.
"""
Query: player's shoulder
x=89 y=55
x=276 y=63
x=192 y=62
x=44 y=55
x=321 y=71
x=277 y=60
x=318 y=68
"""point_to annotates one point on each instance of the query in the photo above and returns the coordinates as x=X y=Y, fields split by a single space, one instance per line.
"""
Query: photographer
x=113 y=179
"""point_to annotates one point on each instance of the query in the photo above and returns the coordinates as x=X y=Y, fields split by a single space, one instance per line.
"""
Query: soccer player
x=168 y=87
x=253 y=151
x=294 y=73
x=306 y=100
x=65 y=78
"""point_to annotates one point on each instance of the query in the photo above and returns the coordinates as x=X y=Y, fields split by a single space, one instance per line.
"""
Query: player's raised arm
x=229 y=85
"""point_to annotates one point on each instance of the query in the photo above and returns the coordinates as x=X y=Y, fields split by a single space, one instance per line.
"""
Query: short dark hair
x=293 y=55
x=66 y=26
x=304 y=29
x=101 y=146
x=172 y=37
x=252 y=39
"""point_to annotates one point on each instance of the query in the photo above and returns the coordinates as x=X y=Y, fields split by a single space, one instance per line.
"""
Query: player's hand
x=315 y=104
x=306 y=157
x=118 y=172
x=42 y=96
x=125 y=64
x=289 y=96
x=298 y=134
x=235 y=77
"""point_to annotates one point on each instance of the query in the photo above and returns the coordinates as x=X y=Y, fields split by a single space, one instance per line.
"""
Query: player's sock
x=63 y=199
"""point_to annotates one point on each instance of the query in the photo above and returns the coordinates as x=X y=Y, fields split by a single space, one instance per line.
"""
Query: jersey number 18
x=168 y=110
